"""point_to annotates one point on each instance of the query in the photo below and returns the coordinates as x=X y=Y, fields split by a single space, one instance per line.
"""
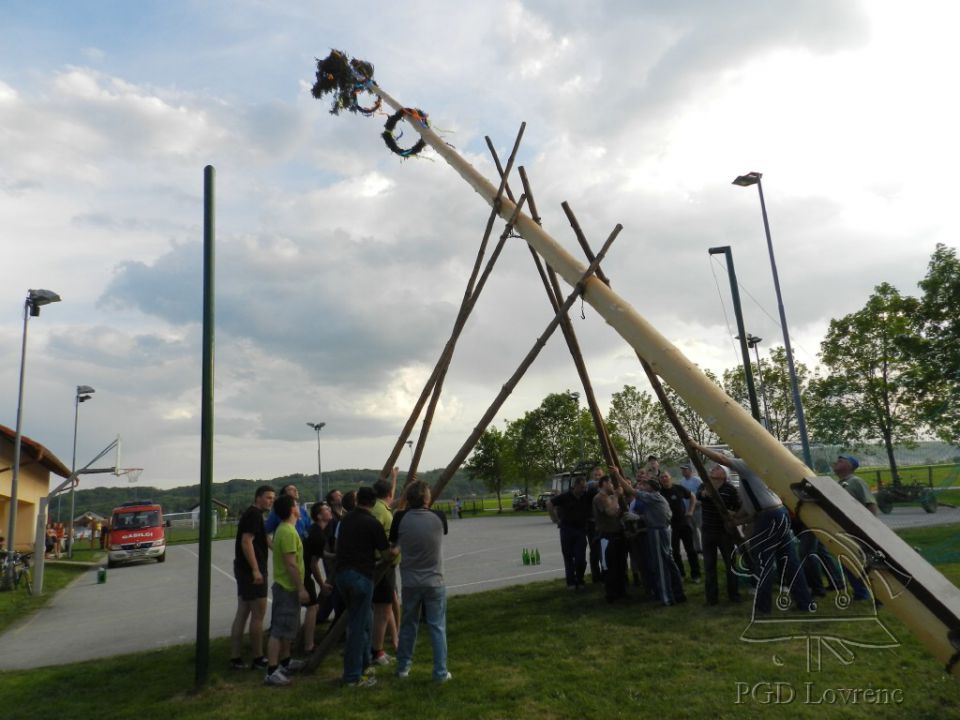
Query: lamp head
x=751 y=178
x=85 y=390
x=38 y=298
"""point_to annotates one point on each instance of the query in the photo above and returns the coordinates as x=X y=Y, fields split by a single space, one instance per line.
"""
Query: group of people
x=341 y=556
x=642 y=526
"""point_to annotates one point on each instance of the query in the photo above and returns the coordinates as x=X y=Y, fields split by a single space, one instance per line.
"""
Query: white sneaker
x=403 y=673
x=382 y=658
x=445 y=678
x=277 y=678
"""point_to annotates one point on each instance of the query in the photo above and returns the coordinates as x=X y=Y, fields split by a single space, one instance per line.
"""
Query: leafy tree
x=866 y=393
x=776 y=388
x=936 y=377
x=559 y=431
x=639 y=426
x=488 y=462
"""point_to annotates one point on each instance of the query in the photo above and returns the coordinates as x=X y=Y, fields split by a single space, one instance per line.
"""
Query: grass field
x=534 y=651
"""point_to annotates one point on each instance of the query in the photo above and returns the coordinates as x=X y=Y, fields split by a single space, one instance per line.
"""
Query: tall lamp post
x=753 y=178
x=318 y=427
x=31 y=308
x=83 y=394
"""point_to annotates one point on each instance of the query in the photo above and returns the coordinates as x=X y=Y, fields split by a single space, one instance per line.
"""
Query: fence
x=931 y=475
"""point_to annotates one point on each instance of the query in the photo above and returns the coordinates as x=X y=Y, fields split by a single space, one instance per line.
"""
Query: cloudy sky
x=340 y=267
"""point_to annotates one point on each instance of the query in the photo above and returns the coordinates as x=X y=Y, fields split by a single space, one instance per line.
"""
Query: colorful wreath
x=412 y=115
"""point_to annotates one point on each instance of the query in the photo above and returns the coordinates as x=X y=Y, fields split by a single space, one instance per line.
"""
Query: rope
x=724 y=308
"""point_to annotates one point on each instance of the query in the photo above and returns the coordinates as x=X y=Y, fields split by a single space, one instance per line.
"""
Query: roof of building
x=32 y=451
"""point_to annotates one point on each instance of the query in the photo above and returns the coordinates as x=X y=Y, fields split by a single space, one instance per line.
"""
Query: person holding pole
x=772 y=542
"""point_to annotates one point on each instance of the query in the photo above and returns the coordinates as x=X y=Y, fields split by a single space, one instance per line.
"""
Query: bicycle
x=22 y=572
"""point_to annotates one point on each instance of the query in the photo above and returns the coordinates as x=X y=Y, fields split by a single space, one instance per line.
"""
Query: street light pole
x=83 y=394
x=753 y=178
x=31 y=307
x=318 y=427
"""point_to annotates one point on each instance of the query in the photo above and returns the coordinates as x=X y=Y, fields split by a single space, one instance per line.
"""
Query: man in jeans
x=418 y=533
x=360 y=538
x=571 y=511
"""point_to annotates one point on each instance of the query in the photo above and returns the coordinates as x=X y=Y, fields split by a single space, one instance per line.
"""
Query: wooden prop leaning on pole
x=728 y=522
x=552 y=288
x=470 y=297
x=527 y=361
x=329 y=641
x=927 y=603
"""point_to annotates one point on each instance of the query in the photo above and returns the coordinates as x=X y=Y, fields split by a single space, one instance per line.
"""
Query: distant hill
x=237 y=494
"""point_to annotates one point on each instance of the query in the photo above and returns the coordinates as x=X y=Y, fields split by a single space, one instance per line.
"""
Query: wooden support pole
x=552 y=289
x=508 y=387
x=470 y=296
x=927 y=603
x=657 y=386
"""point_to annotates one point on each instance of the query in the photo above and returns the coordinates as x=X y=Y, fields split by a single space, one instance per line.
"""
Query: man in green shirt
x=288 y=593
x=844 y=467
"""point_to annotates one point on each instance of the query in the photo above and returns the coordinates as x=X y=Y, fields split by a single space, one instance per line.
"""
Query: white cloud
x=340 y=267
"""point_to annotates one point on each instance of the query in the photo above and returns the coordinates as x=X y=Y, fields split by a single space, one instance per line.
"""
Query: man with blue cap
x=844 y=467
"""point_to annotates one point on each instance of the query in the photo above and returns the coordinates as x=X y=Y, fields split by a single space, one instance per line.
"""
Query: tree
x=936 y=377
x=488 y=462
x=638 y=424
x=777 y=389
x=866 y=393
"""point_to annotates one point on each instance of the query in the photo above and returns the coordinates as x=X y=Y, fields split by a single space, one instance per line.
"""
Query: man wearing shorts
x=289 y=593
x=250 y=571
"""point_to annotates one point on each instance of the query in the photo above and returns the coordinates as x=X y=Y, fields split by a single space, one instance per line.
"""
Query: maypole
x=920 y=596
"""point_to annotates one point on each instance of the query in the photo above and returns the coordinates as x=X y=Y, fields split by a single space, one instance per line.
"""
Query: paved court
x=152 y=605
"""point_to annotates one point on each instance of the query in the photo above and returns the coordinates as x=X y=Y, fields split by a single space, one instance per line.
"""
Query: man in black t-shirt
x=250 y=571
x=681 y=523
x=361 y=536
x=716 y=538
x=572 y=511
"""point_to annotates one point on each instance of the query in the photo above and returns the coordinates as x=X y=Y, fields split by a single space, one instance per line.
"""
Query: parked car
x=542 y=499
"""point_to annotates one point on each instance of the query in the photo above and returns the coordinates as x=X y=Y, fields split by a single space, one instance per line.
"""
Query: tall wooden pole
x=928 y=603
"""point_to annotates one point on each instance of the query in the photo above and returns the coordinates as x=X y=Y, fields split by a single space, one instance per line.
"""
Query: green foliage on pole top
x=344 y=79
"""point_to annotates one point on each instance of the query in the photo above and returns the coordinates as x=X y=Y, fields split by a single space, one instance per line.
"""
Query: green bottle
x=537 y=556
x=526 y=557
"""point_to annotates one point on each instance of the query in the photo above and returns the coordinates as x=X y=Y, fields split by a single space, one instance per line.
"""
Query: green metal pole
x=206 y=436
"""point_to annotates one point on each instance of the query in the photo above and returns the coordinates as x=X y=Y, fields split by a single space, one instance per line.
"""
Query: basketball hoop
x=133 y=474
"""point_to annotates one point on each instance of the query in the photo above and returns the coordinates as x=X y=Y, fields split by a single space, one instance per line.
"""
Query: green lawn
x=534 y=651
